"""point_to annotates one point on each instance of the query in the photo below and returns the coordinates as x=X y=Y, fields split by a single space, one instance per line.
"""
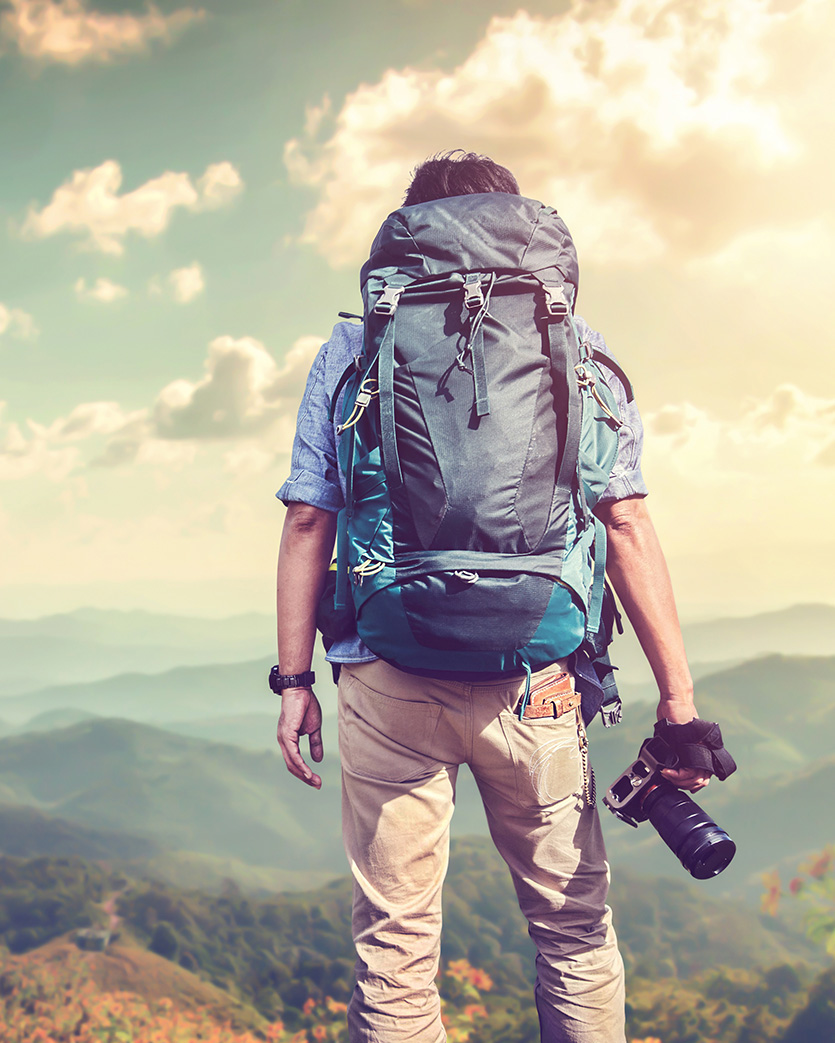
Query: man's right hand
x=301 y=714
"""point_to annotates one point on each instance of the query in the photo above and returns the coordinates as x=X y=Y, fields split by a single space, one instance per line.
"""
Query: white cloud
x=17 y=323
x=87 y=419
x=658 y=128
x=89 y=204
x=186 y=283
x=103 y=290
x=219 y=185
x=248 y=459
x=245 y=401
x=22 y=457
x=242 y=393
x=69 y=32
x=742 y=480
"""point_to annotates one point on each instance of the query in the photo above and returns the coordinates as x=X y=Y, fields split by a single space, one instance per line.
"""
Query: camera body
x=642 y=793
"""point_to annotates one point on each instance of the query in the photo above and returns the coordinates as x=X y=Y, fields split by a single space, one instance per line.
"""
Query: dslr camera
x=641 y=792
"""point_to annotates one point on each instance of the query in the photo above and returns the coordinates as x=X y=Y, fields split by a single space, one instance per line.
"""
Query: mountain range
x=190 y=768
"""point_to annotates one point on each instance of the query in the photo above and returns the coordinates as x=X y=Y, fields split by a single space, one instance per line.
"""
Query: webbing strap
x=388 y=433
x=340 y=593
x=349 y=472
x=347 y=373
x=482 y=400
x=475 y=298
x=697 y=744
x=571 y=448
x=598 y=584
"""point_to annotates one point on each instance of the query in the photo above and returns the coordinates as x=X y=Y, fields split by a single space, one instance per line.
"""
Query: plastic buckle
x=473 y=293
x=556 y=302
x=388 y=300
x=611 y=713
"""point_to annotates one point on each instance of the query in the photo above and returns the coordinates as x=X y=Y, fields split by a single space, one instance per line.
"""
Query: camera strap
x=697 y=744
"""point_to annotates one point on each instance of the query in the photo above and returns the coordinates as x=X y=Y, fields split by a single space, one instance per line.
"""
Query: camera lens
x=690 y=833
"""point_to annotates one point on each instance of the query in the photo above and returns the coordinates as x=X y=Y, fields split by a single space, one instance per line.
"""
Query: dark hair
x=457 y=173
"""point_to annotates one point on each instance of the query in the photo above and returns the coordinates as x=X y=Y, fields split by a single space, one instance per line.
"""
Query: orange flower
x=334 y=1006
x=481 y=979
x=320 y=1032
x=820 y=866
x=309 y=1005
x=475 y=1010
x=796 y=885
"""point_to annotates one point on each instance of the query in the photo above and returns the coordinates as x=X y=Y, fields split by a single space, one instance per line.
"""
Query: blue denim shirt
x=315 y=476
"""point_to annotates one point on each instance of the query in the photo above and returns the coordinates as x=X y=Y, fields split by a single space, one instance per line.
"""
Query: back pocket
x=383 y=737
x=546 y=755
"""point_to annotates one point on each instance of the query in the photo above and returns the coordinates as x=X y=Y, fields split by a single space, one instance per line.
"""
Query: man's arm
x=639 y=574
x=303 y=559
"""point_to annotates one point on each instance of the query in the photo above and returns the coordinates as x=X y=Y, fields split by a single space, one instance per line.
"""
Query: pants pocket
x=546 y=757
x=384 y=737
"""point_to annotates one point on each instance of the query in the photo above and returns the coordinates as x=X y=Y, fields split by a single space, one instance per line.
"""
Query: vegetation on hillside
x=43 y=897
x=290 y=957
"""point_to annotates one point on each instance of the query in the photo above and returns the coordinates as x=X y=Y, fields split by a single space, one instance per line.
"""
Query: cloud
x=89 y=418
x=186 y=283
x=736 y=481
x=22 y=457
x=89 y=204
x=219 y=185
x=661 y=128
x=245 y=402
x=242 y=392
x=17 y=323
x=103 y=290
x=69 y=32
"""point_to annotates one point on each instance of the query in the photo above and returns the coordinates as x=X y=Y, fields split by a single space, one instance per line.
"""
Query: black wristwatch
x=280 y=681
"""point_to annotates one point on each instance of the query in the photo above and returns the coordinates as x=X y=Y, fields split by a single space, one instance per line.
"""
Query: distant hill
x=27 y=832
x=182 y=793
x=255 y=731
x=91 y=644
x=195 y=692
x=801 y=630
x=777 y=714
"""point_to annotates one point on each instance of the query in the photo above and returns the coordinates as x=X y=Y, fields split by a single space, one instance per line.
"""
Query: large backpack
x=476 y=434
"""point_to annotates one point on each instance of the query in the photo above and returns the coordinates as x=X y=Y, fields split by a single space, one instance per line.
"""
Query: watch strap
x=279 y=681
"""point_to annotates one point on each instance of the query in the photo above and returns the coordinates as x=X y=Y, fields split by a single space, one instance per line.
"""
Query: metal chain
x=589 y=784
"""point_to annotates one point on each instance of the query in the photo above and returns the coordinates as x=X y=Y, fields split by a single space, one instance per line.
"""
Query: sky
x=187 y=192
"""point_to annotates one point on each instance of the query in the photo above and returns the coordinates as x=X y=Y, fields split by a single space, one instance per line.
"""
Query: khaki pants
x=401 y=740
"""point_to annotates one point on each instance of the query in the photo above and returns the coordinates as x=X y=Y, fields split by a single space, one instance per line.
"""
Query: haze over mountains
x=91 y=644
x=188 y=779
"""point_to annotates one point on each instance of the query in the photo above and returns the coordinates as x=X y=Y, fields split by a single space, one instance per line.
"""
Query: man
x=403 y=736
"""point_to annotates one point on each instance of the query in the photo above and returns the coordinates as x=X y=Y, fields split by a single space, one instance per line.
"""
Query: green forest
x=698 y=969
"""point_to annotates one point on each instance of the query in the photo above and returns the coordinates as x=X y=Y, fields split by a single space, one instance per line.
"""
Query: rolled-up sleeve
x=625 y=479
x=314 y=475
